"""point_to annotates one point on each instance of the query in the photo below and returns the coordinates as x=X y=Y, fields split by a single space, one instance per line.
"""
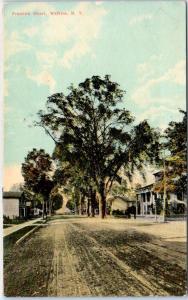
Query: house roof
x=144 y=187
x=13 y=195
x=124 y=198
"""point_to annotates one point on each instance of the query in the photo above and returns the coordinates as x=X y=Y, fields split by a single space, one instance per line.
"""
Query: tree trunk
x=88 y=206
x=74 y=205
x=102 y=201
x=102 y=207
x=50 y=206
x=43 y=209
x=80 y=206
x=93 y=202
x=46 y=210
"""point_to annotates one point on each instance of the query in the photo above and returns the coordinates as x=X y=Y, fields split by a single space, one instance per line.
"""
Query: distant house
x=15 y=205
x=148 y=195
x=121 y=203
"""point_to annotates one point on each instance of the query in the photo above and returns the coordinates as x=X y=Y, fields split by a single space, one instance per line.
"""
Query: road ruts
x=89 y=257
x=116 y=277
x=83 y=267
x=64 y=280
x=147 y=257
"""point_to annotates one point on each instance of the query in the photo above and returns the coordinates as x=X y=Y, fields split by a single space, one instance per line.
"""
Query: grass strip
x=9 y=242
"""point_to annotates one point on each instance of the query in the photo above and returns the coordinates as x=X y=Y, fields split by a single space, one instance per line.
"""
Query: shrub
x=117 y=212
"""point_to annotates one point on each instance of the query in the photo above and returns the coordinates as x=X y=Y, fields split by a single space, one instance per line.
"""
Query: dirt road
x=86 y=257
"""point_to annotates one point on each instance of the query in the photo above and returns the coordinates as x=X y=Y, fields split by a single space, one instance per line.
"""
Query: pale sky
x=141 y=44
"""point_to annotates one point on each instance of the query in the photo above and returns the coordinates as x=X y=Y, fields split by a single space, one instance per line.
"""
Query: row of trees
x=96 y=143
x=176 y=160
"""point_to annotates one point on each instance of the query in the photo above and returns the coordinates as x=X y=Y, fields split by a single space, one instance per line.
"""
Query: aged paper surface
x=94 y=187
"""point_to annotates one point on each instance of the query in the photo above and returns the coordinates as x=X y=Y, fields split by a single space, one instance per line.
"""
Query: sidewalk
x=10 y=230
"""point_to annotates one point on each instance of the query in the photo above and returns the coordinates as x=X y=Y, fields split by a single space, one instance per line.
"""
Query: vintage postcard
x=95 y=184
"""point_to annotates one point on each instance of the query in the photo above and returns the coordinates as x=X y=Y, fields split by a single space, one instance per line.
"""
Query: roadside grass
x=16 y=221
x=10 y=240
x=28 y=265
x=7 y=225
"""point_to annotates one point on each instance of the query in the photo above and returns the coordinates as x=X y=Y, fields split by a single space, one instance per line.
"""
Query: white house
x=147 y=196
x=14 y=205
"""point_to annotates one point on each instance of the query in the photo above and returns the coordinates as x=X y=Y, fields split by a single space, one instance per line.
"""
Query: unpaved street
x=90 y=257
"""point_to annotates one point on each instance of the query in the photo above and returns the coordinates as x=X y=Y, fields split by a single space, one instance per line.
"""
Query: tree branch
x=48 y=132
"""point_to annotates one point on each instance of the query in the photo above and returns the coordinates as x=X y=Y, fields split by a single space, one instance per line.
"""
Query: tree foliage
x=57 y=201
x=174 y=163
x=36 y=172
x=93 y=131
x=176 y=136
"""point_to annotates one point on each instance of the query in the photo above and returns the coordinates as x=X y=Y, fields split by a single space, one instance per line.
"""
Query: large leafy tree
x=176 y=136
x=176 y=143
x=36 y=171
x=92 y=129
x=174 y=163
